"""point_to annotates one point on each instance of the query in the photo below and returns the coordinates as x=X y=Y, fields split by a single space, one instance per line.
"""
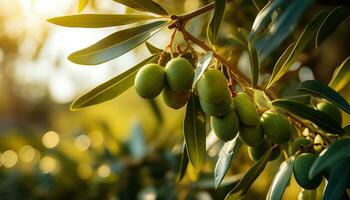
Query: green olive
x=173 y=99
x=276 y=127
x=246 y=110
x=149 y=81
x=301 y=168
x=225 y=127
x=179 y=74
x=251 y=135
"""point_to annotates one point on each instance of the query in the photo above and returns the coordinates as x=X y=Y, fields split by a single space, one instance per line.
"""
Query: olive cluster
x=175 y=80
x=306 y=150
x=239 y=115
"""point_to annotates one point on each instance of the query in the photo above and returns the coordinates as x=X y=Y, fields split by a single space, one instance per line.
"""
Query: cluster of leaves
x=273 y=24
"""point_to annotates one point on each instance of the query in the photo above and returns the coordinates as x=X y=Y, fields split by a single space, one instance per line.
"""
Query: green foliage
x=216 y=20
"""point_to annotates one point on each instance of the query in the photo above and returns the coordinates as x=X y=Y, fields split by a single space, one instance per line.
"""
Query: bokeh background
x=127 y=148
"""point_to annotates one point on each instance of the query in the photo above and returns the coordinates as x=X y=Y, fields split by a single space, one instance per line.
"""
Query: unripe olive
x=276 y=127
x=255 y=153
x=149 y=81
x=173 y=99
x=331 y=110
x=225 y=127
x=301 y=168
x=212 y=87
x=179 y=74
x=319 y=144
x=246 y=110
x=215 y=109
x=251 y=135
x=297 y=144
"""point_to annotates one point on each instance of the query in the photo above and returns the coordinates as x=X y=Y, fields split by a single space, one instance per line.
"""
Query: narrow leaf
x=338 y=180
x=111 y=88
x=228 y=152
x=216 y=20
x=341 y=76
x=202 y=65
x=152 y=49
x=319 y=88
x=183 y=163
x=144 y=5
x=97 y=20
x=194 y=131
x=156 y=110
x=82 y=4
x=329 y=157
x=252 y=174
x=281 y=180
x=319 y=118
x=284 y=26
x=303 y=40
x=262 y=100
x=279 y=64
x=303 y=98
x=254 y=63
x=332 y=21
x=115 y=44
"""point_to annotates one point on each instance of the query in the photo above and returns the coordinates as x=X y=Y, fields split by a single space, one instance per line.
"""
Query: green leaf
x=194 y=131
x=228 y=152
x=330 y=157
x=252 y=174
x=303 y=40
x=322 y=120
x=338 y=180
x=116 y=44
x=97 y=20
x=319 y=88
x=111 y=88
x=262 y=101
x=216 y=20
x=144 y=5
x=260 y=4
x=341 y=76
x=183 y=163
x=332 y=21
x=152 y=49
x=264 y=16
x=254 y=63
x=202 y=65
x=303 y=98
x=279 y=64
x=82 y=4
x=283 y=27
x=281 y=180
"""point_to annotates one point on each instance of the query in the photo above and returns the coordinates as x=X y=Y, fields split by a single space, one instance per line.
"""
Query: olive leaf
x=281 y=180
x=261 y=100
x=152 y=49
x=112 y=88
x=194 y=132
x=253 y=173
x=332 y=21
x=215 y=22
x=337 y=151
x=183 y=163
x=260 y=4
x=202 y=65
x=82 y=4
x=116 y=44
x=144 y=5
x=299 y=46
x=254 y=63
x=318 y=88
x=228 y=152
x=98 y=20
x=322 y=120
x=338 y=180
x=341 y=76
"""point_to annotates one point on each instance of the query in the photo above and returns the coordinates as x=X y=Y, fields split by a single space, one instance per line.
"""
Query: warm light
x=104 y=171
x=49 y=165
x=50 y=139
x=96 y=138
x=82 y=142
x=84 y=171
x=26 y=154
x=9 y=158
